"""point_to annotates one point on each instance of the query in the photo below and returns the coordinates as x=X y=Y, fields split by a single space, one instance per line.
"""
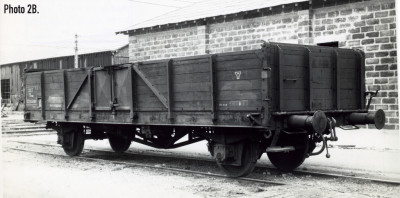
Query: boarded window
x=5 y=89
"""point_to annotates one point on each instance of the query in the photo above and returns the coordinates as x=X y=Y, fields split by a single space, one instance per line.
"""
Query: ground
x=35 y=175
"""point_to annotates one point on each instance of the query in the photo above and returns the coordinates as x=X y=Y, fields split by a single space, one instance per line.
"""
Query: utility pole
x=76 y=65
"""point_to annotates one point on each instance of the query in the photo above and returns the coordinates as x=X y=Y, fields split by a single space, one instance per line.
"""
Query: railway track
x=180 y=170
x=109 y=156
x=18 y=134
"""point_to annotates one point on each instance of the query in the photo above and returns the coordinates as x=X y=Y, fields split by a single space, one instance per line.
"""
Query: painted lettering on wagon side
x=235 y=103
x=55 y=101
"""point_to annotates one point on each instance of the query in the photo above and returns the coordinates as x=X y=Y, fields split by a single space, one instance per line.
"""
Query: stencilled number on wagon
x=238 y=103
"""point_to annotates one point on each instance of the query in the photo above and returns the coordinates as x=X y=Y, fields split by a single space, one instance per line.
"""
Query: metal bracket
x=352 y=127
x=371 y=94
x=253 y=120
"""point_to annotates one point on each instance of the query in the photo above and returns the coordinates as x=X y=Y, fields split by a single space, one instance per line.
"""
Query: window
x=329 y=44
x=5 y=89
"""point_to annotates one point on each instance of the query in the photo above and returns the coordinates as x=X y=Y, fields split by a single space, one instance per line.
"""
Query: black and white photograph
x=199 y=98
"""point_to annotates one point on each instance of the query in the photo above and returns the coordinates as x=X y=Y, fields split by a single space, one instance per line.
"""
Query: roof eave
x=206 y=19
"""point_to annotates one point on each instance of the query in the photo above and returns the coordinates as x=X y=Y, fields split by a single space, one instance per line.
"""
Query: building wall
x=369 y=26
x=168 y=44
x=121 y=56
x=12 y=72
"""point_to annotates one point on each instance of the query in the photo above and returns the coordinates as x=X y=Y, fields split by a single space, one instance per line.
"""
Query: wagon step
x=275 y=149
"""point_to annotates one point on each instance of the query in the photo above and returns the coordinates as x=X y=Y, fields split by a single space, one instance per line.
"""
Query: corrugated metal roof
x=210 y=8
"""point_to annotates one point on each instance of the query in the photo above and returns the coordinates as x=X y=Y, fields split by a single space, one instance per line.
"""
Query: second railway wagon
x=281 y=100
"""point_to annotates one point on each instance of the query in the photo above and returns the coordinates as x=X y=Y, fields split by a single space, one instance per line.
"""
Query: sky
x=51 y=31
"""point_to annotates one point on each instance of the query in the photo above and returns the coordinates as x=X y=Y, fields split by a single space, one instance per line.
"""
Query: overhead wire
x=161 y=14
x=154 y=4
x=185 y=1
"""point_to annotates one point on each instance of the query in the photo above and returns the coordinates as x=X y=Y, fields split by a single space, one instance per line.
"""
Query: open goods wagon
x=281 y=99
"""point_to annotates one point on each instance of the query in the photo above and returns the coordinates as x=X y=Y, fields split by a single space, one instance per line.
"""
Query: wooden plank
x=147 y=98
x=131 y=93
x=240 y=109
x=122 y=86
x=33 y=80
x=249 y=74
x=280 y=78
x=149 y=109
x=347 y=73
x=65 y=90
x=192 y=78
x=151 y=65
x=361 y=79
x=54 y=86
x=192 y=87
x=76 y=76
x=162 y=99
x=294 y=105
x=153 y=72
x=293 y=60
x=213 y=81
x=112 y=86
x=347 y=83
x=193 y=105
x=239 y=85
x=155 y=80
x=337 y=77
x=203 y=60
x=241 y=56
x=191 y=68
x=323 y=104
x=239 y=64
x=293 y=71
x=144 y=89
x=347 y=63
x=170 y=92
x=239 y=103
x=323 y=93
x=77 y=92
x=143 y=104
x=191 y=96
x=294 y=94
x=239 y=95
x=42 y=95
x=309 y=82
x=89 y=76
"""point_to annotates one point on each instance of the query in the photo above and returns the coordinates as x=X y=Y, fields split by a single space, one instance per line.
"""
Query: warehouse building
x=236 y=25
x=12 y=74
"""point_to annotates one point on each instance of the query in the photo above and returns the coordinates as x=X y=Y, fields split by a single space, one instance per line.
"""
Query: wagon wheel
x=75 y=141
x=249 y=160
x=118 y=143
x=288 y=161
